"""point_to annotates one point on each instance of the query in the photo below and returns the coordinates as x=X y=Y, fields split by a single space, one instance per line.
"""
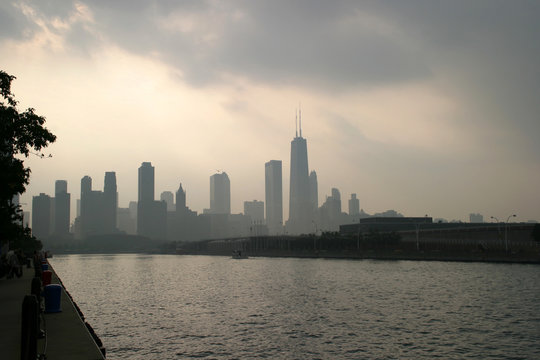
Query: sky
x=424 y=107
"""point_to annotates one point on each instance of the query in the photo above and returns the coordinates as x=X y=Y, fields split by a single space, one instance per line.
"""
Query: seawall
x=67 y=336
x=385 y=247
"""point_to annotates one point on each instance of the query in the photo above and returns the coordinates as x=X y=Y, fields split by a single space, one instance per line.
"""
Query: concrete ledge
x=67 y=335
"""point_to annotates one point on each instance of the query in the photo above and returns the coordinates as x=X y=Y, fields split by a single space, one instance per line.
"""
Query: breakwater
x=406 y=245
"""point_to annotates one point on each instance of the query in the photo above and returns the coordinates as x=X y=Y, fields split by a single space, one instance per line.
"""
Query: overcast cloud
x=412 y=95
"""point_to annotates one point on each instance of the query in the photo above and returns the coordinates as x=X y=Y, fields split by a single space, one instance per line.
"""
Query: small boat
x=237 y=254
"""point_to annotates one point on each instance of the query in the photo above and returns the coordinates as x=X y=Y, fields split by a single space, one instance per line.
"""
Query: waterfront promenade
x=67 y=336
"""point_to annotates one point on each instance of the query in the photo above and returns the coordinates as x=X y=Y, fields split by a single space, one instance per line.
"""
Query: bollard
x=46 y=277
x=52 y=294
x=29 y=327
x=44 y=267
x=35 y=288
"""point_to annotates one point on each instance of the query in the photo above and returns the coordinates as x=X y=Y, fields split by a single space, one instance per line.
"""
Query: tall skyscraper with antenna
x=299 y=200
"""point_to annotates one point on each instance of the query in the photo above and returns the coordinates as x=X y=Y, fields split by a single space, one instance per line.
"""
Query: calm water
x=181 y=307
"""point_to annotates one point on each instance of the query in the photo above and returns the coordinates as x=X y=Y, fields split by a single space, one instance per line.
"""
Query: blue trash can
x=44 y=267
x=52 y=294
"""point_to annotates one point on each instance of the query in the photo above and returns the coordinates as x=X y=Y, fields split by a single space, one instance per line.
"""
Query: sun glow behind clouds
x=113 y=107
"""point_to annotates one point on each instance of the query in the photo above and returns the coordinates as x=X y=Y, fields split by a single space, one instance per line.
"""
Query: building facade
x=62 y=202
x=220 y=194
x=273 y=185
x=41 y=216
x=300 y=209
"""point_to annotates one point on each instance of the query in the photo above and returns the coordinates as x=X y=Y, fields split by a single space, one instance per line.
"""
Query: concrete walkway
x=67 y=336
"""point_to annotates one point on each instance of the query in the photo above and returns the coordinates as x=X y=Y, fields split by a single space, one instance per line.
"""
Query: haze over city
x=422 y=107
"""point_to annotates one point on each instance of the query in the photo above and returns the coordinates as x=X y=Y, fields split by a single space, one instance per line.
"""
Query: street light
x=506 y=231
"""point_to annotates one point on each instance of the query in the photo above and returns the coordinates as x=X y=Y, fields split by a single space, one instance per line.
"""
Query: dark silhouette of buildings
x=255 y=210
x=151 y=214
x=300 y=209
x=476 y=218
x=220 y=194
x=62 y=201
x=354 y=205
x=182 y=223
x=91 y=214
x=41 y=216
x=168 y=197
x=180 y=199
x=330 y=215
x=98 y=208
x=110 y=203
x=273 y=196
x=313 y=190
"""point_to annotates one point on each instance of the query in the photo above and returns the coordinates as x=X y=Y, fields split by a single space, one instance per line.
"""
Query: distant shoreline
x=388 y=256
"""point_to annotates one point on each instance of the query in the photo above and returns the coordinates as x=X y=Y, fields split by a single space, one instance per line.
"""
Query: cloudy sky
x=425 y=107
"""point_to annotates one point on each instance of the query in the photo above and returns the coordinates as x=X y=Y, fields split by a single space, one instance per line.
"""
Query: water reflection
x=165 y=306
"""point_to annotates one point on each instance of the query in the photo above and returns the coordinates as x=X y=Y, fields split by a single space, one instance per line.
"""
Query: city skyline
x=425 y=108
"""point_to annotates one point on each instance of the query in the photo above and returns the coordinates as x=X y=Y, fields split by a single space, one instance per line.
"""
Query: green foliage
x=21 y=134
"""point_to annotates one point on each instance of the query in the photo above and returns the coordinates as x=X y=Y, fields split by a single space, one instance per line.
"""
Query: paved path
x=67 y=336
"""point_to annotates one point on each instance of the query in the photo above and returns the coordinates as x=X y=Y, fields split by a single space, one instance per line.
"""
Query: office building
x=110 y=203
x=354 y=205
x=476 y=218
x=151 y=214
x=41 y=216
x=146 y=182
x=62 y=202
x=168 y=197
x=273 y=196
x=300 y=209
x=180 y=199
x=255 y=210
x=313 y=190
x=220 y=194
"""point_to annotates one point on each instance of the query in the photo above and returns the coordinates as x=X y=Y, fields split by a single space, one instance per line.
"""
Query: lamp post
x=506 y=231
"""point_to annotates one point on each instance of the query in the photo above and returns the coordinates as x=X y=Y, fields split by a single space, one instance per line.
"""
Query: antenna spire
x=296 y=121
x=300 y=117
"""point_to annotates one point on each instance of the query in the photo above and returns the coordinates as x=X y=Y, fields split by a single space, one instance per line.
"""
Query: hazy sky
x=425 y=107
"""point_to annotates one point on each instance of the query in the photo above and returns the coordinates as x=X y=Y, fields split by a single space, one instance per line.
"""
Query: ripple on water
x=161 y=307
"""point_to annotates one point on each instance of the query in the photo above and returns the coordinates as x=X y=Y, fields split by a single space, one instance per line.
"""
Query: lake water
x=185 y=307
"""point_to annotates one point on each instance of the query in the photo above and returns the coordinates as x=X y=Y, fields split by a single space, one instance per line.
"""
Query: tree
x=21 y=134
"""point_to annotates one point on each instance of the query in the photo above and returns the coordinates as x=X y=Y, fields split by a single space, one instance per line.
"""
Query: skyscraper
x=41 y=216
x=92 y=214
x=180 y=199
x=336 y=195
x=313 y=190
x=146 y=182
x=98 y=208
x=354 y=205
x=273 y=196
x=151 y=214
x=255 y=210
x=110 y=203
x=61 y=208
x=220 y=194
x=300 y=213
x=168 y=197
